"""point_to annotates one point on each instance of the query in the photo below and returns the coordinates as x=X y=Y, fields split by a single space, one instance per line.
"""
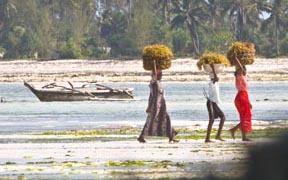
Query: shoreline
x=190 y=125
x=182 y=70
x=132 y=130
x=178 y=124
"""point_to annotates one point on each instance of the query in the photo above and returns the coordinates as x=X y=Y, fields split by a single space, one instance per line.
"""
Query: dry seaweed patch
x=114 y=131
x=127 y=163
x=184 y=133
x=46 y=170
x=10 y=163
x=157 y=167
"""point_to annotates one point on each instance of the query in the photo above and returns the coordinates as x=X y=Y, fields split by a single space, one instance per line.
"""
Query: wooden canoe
x=86 y=92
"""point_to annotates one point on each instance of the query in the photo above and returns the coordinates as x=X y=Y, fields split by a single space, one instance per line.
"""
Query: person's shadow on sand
x=266 y=162
x=269 y=161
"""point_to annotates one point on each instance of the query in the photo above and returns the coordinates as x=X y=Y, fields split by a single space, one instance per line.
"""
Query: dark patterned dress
x=158 y=122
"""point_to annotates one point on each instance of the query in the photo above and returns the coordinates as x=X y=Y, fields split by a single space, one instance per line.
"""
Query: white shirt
x=213 y=92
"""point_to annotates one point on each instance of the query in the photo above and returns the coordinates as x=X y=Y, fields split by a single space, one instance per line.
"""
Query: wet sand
x=123 y=159
x=115 y=153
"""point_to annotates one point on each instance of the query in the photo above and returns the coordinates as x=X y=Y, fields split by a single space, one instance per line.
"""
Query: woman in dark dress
x=158 y=122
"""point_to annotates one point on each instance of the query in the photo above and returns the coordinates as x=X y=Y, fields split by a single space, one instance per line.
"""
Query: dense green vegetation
x=99 y=29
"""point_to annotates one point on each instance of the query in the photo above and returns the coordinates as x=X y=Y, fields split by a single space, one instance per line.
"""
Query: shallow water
x=23 y=112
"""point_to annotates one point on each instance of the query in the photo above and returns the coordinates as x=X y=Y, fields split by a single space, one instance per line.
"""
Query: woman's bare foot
x=232 y=132
x=208 y=141
x=246 y=139
x=219 y=138
x=173 y=141
x=141 y=139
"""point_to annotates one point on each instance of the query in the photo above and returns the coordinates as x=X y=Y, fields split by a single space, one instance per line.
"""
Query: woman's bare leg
x=232 y=130
x=141 y=139
x=171 y=138
x=221 y=124
x=209 y=129
x=244 y=137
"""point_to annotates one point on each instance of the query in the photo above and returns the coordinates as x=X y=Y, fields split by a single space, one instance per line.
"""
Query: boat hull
x=78 y=95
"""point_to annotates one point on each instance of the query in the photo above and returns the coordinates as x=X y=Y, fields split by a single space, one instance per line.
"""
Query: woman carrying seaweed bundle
x=214 y=110
x=242 y=104
x=158 y=122
x=239 y=55
x=156 y=58
x=213 y=63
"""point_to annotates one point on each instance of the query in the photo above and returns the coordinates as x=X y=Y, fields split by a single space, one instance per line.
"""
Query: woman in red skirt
x=242 y=104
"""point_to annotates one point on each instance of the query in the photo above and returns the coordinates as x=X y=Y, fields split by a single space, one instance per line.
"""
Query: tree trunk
x=194 y=36
x=276 y=36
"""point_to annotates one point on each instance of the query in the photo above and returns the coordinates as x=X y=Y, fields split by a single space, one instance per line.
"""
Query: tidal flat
x=115 y=154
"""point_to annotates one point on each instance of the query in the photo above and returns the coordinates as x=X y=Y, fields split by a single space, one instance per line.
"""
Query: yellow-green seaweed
x=158 y=53
x=212 y=58
x=243 y=51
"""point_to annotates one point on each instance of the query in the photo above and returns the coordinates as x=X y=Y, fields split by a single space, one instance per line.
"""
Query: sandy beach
x=129 y=71
x=123 y=159
x=112 y=152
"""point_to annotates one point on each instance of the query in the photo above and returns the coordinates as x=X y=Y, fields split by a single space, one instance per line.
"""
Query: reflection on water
x=185 y=101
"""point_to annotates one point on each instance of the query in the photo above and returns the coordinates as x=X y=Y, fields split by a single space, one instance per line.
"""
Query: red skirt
x=243 y=106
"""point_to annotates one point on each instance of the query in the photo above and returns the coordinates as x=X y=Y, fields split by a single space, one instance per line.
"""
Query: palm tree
x=164 y=7
x=192 y=14
x=277 y=19
x=213 y=10
x=245 y=14
x=7 y=7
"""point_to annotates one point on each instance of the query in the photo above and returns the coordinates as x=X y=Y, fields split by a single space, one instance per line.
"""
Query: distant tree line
x=101 y=29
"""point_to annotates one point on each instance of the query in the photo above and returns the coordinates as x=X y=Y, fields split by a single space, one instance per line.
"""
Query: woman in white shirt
x=213 y=109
